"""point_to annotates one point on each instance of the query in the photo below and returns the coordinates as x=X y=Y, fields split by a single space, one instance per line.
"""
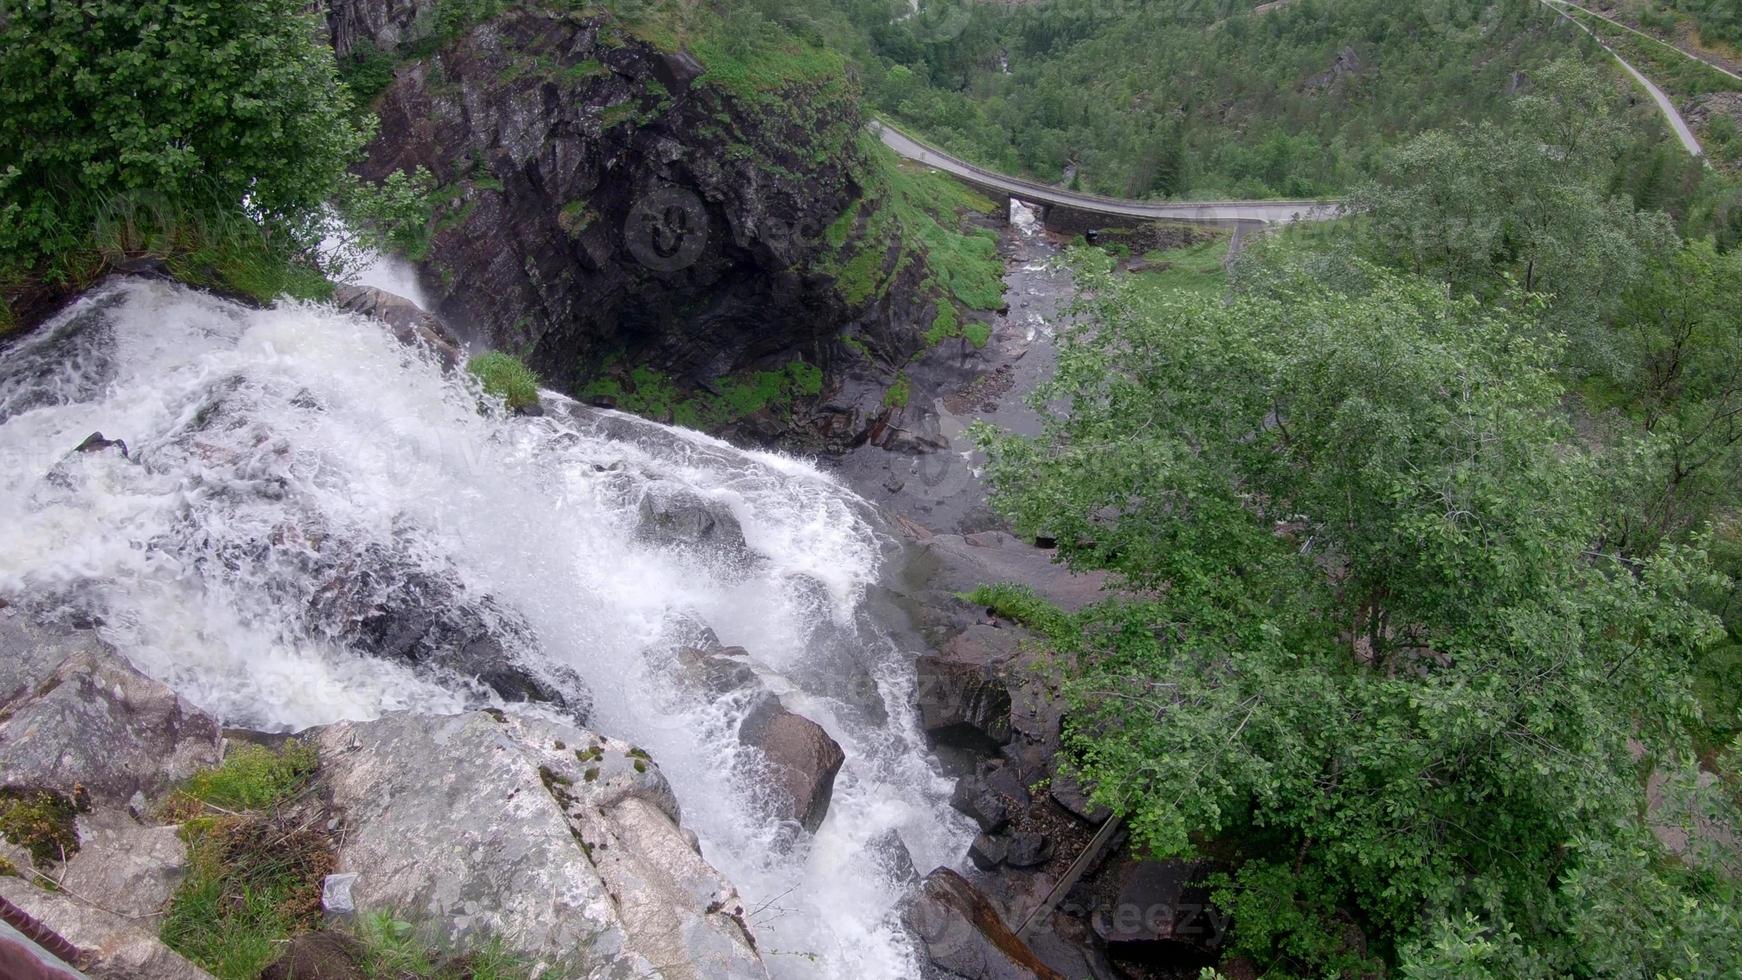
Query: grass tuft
x=254 y=871
x=506 y=377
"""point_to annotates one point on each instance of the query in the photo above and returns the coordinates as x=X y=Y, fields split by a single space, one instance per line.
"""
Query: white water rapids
x=277 y=453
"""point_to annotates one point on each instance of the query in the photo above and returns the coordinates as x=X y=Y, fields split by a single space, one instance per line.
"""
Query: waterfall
x=288 y=468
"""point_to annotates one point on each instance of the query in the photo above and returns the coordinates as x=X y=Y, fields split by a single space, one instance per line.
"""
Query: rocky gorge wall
x=608 y=202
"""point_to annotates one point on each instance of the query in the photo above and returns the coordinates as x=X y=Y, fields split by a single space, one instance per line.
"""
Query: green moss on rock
x=41 y=822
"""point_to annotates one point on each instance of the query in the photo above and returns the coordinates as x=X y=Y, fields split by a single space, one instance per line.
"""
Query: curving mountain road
x=1223 y=212
x=1683 y=131
x=1220 y=212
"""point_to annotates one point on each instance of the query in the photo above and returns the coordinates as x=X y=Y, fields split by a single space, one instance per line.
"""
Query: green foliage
x=396 y=215
x=899 y=393
x=1202 y=100
x=254 y=875
x=1491 y=207
x=506 y=377
x=393 y=949
x=908 y=225
x=189 y=106
x=1368 y=619
x=41 y=822
x=367 y=72
x=651 y=394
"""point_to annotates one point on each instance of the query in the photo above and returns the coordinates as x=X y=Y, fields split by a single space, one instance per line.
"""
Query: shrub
x=506 y=377
x=193 y=105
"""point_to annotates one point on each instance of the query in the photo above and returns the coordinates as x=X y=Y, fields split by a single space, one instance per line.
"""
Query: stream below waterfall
x=289 y=469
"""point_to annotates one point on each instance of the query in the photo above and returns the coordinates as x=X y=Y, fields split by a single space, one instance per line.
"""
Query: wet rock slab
x=563 y=842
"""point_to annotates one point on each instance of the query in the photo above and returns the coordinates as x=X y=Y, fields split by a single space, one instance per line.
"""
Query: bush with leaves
x=187 y=107
x=1366 y=634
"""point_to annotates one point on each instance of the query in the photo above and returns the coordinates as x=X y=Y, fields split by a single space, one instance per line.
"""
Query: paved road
x=1720 y=69
x=1225 y=212
x=1683 y=131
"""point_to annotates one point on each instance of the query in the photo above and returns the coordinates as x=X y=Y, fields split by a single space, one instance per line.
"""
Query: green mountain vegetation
x=1424 y=539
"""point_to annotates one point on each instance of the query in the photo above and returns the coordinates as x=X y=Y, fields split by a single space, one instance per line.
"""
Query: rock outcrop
x=606 y=197
x=74 y=714
x=91 y=743
x=564 y=843
x=962 y=933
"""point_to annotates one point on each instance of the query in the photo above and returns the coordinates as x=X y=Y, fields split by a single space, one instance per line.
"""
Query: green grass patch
x=654 y=395
x=506 y=377
x=1718 y=686
x=1197 y=269
x=908 y=216
x=1022 y=605
x=254 y=872
x=394 y=948
x=253 y=777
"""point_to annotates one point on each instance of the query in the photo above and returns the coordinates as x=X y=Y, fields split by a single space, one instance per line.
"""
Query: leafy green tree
x=194 y=107
x=1680 y=390
x=1492 y=206
x=1365 y=633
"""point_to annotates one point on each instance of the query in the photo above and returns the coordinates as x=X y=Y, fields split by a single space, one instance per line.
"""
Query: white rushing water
x=278 y=457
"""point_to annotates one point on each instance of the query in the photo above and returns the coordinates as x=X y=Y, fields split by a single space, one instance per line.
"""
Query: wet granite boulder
x=798 y=759
x=801 y=759
x=564 y=843
x=74 y=713
x=961 y=932
x=962 y=704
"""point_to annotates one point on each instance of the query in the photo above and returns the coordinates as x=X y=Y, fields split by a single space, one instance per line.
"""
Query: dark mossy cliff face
x=608 y=202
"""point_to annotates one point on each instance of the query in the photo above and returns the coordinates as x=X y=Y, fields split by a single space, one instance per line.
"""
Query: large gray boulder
x=962 y=933
x=564 y=843
x=73 y=713
x=798 y=758
x=801 y=761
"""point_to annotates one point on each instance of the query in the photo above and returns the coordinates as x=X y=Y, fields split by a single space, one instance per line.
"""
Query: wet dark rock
x=989 y=809
x=962 y=933
x=1028 y=850
x=988 y=852
x=386 y=607
x=1067 y=792
x=686 y=519
x=890 y=856
x=95 y=443
x=1068 y=945
x=1159 y=902
x=966 y=705
x=716 y=672
x=409 y=323
x=319 y=956
x=802 y=760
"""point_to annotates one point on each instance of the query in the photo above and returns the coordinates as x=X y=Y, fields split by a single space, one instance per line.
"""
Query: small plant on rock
x=506 y=377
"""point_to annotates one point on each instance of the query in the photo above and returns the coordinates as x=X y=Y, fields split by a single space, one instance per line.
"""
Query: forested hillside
x=1181 y=98
x=1425 y=536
